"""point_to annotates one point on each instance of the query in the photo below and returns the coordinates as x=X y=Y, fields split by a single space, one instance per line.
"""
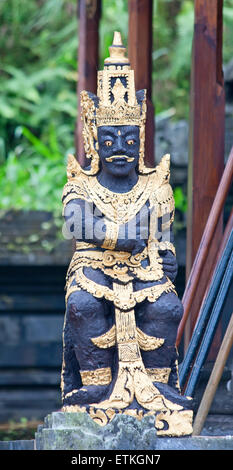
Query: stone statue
x=122 y=310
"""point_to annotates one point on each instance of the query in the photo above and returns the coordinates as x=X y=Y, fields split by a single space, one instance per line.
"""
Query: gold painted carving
x=126 y=300
x=131 y=370
x=101 y=376
x=111 y=235
x=179 y=423
x=116 y=90
x=116 y=264
x=107 y=340
x=167 y=246
x=146 y=342
x=116 y=104
x=159 y=374
x=101 y=417
x=84 y=245
x=121 y=207
x=117 y=53
x=73 y=168
x=89 y=132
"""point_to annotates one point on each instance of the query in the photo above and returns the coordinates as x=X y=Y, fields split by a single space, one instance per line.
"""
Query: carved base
x=77 y=431
x=168 y=423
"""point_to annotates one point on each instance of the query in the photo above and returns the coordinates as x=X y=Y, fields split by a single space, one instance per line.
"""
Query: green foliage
x=114 y=18
x=36 y=182
x=173 y=22
x=38 y=102
x=227 y=30
x=23 y=429
x=180 y=199
x=172 y=57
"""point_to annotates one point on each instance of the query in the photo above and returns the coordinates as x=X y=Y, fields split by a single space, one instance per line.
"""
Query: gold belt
x=119 y=265
x=124 y=299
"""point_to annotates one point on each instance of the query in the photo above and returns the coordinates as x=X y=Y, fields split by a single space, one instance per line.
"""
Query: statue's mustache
x=113 y=157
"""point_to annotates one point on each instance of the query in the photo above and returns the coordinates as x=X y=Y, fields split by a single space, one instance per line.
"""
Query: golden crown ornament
x=116 y=104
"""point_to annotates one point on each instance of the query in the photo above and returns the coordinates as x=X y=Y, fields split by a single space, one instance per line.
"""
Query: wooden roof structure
x=207 y=111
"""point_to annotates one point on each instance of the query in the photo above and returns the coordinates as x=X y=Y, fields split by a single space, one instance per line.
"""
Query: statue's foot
x=86 y=395
x=174 y=396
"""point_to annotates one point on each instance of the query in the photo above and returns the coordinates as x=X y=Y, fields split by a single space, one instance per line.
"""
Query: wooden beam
x=140 y=56
x=88 y=59
x=206 y=153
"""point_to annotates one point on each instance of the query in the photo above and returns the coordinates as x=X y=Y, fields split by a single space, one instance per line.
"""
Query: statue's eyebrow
x=107 y=133
x=130 y=132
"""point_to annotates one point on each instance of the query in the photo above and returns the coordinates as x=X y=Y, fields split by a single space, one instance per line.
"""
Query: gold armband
x=111 y=236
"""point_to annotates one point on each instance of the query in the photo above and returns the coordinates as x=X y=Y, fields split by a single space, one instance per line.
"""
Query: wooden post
x=206 y=155
x=140 y=56
x=88 y=59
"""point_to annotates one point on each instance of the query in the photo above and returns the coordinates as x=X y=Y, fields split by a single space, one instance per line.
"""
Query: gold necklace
x=120 y=207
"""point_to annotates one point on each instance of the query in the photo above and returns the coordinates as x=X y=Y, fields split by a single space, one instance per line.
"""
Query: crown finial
x=117 y=40
x=117 y=51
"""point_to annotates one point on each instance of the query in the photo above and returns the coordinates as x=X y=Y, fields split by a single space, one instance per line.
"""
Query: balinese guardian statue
x=122 y=309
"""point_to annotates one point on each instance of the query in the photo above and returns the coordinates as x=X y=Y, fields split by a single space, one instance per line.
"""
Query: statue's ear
x=141 y=97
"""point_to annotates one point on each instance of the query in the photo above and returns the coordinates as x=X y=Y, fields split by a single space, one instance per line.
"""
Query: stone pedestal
x=77 y=431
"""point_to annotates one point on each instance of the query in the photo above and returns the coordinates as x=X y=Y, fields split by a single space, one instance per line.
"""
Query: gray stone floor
x=77 y=431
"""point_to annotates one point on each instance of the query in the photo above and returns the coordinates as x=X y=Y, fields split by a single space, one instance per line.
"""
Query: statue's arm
x=166 y=245
x=85 y=223
x=133 y=236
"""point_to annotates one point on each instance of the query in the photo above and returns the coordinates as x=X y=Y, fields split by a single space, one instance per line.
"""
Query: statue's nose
x=120 y=146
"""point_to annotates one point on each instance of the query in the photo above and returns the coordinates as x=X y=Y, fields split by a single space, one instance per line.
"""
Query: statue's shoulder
x=162 y=171
x=76 y=186
x=162 y=194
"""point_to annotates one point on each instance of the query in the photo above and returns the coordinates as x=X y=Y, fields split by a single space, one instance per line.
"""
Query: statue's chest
x=120 y=207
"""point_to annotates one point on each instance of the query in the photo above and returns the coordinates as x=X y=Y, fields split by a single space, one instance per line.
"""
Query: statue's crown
x=116 y=89
x=116 y=104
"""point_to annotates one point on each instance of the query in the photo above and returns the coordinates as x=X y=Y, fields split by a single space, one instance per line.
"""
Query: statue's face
x=119 y=148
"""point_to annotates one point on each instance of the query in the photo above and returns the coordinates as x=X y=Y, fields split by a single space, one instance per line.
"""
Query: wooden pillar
x=88 y=59
x=206 y=153
x=140 y=56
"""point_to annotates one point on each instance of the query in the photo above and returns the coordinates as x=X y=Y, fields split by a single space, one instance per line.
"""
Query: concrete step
x=17 y=445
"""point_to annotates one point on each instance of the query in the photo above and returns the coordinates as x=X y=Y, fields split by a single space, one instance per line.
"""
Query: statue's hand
x=138 y=247
x=170 y=266
x=133 y=246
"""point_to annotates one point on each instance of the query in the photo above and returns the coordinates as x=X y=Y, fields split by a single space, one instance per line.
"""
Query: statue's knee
x=178 y=309
x=82 y=305
x=167 y=307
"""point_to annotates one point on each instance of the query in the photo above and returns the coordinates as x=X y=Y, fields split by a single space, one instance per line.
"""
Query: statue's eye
x=130 y=142
x=108 y=143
